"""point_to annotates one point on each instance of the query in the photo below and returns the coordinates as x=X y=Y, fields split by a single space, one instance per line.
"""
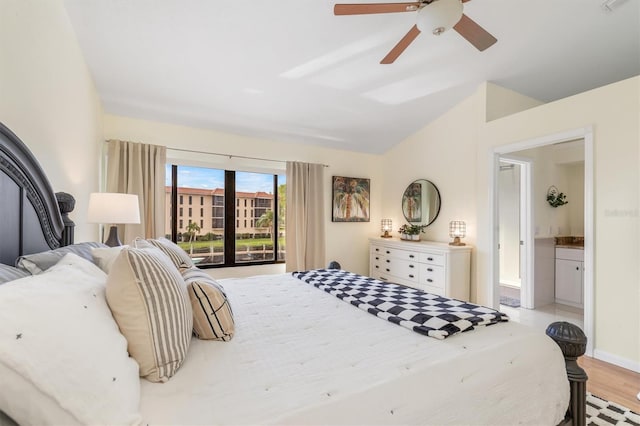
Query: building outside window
x=212 y=239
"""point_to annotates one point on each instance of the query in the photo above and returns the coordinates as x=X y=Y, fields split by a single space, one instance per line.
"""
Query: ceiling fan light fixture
x=439 y=16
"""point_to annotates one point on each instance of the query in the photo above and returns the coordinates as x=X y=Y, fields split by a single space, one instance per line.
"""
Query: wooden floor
x=612 y=383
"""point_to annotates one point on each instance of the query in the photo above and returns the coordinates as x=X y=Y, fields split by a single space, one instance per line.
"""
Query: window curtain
x=136 y=168
x=305 y=235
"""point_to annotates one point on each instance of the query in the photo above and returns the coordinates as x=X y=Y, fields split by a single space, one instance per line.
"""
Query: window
x=181 y=200
x=233 y=235
x=181 y=211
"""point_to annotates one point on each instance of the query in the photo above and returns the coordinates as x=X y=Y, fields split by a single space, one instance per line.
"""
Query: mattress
x=302 y=356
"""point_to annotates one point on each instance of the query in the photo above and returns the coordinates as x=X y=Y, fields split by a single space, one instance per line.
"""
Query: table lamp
x=114 y=209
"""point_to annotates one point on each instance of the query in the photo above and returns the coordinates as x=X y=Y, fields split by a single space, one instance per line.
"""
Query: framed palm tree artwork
x=350 y=199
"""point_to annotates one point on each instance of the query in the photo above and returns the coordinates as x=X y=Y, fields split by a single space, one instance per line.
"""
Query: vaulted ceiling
x=290 y=70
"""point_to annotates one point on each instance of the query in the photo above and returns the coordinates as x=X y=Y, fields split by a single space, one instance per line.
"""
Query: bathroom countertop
x=569 y=241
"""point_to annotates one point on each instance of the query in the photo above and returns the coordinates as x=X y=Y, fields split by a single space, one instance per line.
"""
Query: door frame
x=585 y=134
x=526 y=227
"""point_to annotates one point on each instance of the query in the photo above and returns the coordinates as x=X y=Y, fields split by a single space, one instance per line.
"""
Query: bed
x=299 y=355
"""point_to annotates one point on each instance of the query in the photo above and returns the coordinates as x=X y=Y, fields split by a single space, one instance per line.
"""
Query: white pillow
x=58 y=335
x=104 y=257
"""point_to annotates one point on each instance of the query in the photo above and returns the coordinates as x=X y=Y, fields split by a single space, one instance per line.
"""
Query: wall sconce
x=112 y=208
x=386 y=227
x=457 y=230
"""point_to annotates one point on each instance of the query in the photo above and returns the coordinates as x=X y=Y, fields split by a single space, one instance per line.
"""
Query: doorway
x=514 y=195
x=532 y=228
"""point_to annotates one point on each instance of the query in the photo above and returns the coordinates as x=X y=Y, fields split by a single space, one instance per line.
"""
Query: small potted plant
x=411 y=232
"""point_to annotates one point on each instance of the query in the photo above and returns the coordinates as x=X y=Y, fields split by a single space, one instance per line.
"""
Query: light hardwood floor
x=606 y=380
x=611 y=382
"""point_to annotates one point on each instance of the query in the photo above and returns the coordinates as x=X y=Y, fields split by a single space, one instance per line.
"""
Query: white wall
x=463 y=138
x=48 y=99
x=612 y=111
x=346 y=242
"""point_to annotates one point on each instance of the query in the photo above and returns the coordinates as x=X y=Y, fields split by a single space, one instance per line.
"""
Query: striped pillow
x=150 y=303
x=212 y=314
x=179 y=257
x=9 y=273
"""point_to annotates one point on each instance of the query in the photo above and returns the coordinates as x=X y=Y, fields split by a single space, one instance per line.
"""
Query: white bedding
x=302 y=356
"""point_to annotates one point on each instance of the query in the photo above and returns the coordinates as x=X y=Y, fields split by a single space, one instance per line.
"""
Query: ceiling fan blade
x=370 y=8
x=401 y=46
x=474 y=33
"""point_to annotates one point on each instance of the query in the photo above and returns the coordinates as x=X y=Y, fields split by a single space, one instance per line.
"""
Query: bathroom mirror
x=421 y=202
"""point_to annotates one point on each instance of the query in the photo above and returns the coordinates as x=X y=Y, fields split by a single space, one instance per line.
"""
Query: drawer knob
x=430 y=258
x=388 y=261
x=377 y=267
x=577 y=268
x=388 y=270
x=429 y=280
x=411 y=276
x=377 y=258
x=430 y=269
x=411 y=256
x=388 y=252
x=377 y=249
x=411 y=266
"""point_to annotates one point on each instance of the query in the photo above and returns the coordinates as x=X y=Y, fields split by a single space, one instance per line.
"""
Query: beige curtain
x=305 y=236
x=136 y=168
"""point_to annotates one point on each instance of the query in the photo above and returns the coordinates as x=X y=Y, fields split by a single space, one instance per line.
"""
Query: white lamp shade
x=457 y=228
x=112 y=208
x=439 y=16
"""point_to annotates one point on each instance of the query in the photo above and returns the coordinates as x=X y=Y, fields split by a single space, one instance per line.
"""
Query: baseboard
x=617 y=360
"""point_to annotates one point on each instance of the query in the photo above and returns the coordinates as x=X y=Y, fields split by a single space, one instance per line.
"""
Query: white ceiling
x=290 y=70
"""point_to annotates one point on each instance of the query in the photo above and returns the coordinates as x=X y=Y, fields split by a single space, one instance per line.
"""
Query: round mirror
x=421 y=202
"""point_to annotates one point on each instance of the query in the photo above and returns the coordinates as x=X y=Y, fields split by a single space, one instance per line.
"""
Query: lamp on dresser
x=386 y=226
x=114 y=209
x=457 y=230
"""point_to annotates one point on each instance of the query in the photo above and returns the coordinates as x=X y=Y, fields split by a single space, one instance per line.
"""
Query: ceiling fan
x=434 y=16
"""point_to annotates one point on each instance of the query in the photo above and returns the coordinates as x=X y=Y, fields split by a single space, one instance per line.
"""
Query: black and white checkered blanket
x=422 y=312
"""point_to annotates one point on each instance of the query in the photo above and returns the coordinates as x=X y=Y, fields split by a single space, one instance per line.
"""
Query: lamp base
x=113 y=240
x=456 y=242
x=386 y=235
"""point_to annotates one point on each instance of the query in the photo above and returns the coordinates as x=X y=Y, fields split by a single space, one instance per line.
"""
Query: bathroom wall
x=509 y=216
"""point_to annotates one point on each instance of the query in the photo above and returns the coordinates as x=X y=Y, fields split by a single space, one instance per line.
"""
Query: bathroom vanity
x=569 y=288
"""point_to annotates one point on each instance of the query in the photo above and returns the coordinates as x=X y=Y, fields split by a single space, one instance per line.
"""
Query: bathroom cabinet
x=569 y=276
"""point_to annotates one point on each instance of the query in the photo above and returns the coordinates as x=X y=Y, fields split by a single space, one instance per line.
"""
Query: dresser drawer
x=403 y=269
x=432 y=259
x=400 y=254
x=432 y=275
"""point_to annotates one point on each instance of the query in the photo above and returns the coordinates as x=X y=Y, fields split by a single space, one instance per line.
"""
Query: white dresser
x=429 y=266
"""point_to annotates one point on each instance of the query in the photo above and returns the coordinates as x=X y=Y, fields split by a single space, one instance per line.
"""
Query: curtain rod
x=230 y=155
x=233 y=155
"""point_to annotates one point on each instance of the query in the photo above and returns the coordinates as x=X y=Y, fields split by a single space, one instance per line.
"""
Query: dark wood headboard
x=30 y=213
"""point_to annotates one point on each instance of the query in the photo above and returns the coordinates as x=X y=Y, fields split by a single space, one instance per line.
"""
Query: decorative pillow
x=212 y=314
x=150 y=303
x=38 y=262
x=178 y=256
x=9 y=273
x=68 y=361
x=105 y=256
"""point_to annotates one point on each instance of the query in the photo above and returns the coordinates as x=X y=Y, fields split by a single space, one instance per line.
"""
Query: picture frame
x=412 y=202
x=350 y=199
